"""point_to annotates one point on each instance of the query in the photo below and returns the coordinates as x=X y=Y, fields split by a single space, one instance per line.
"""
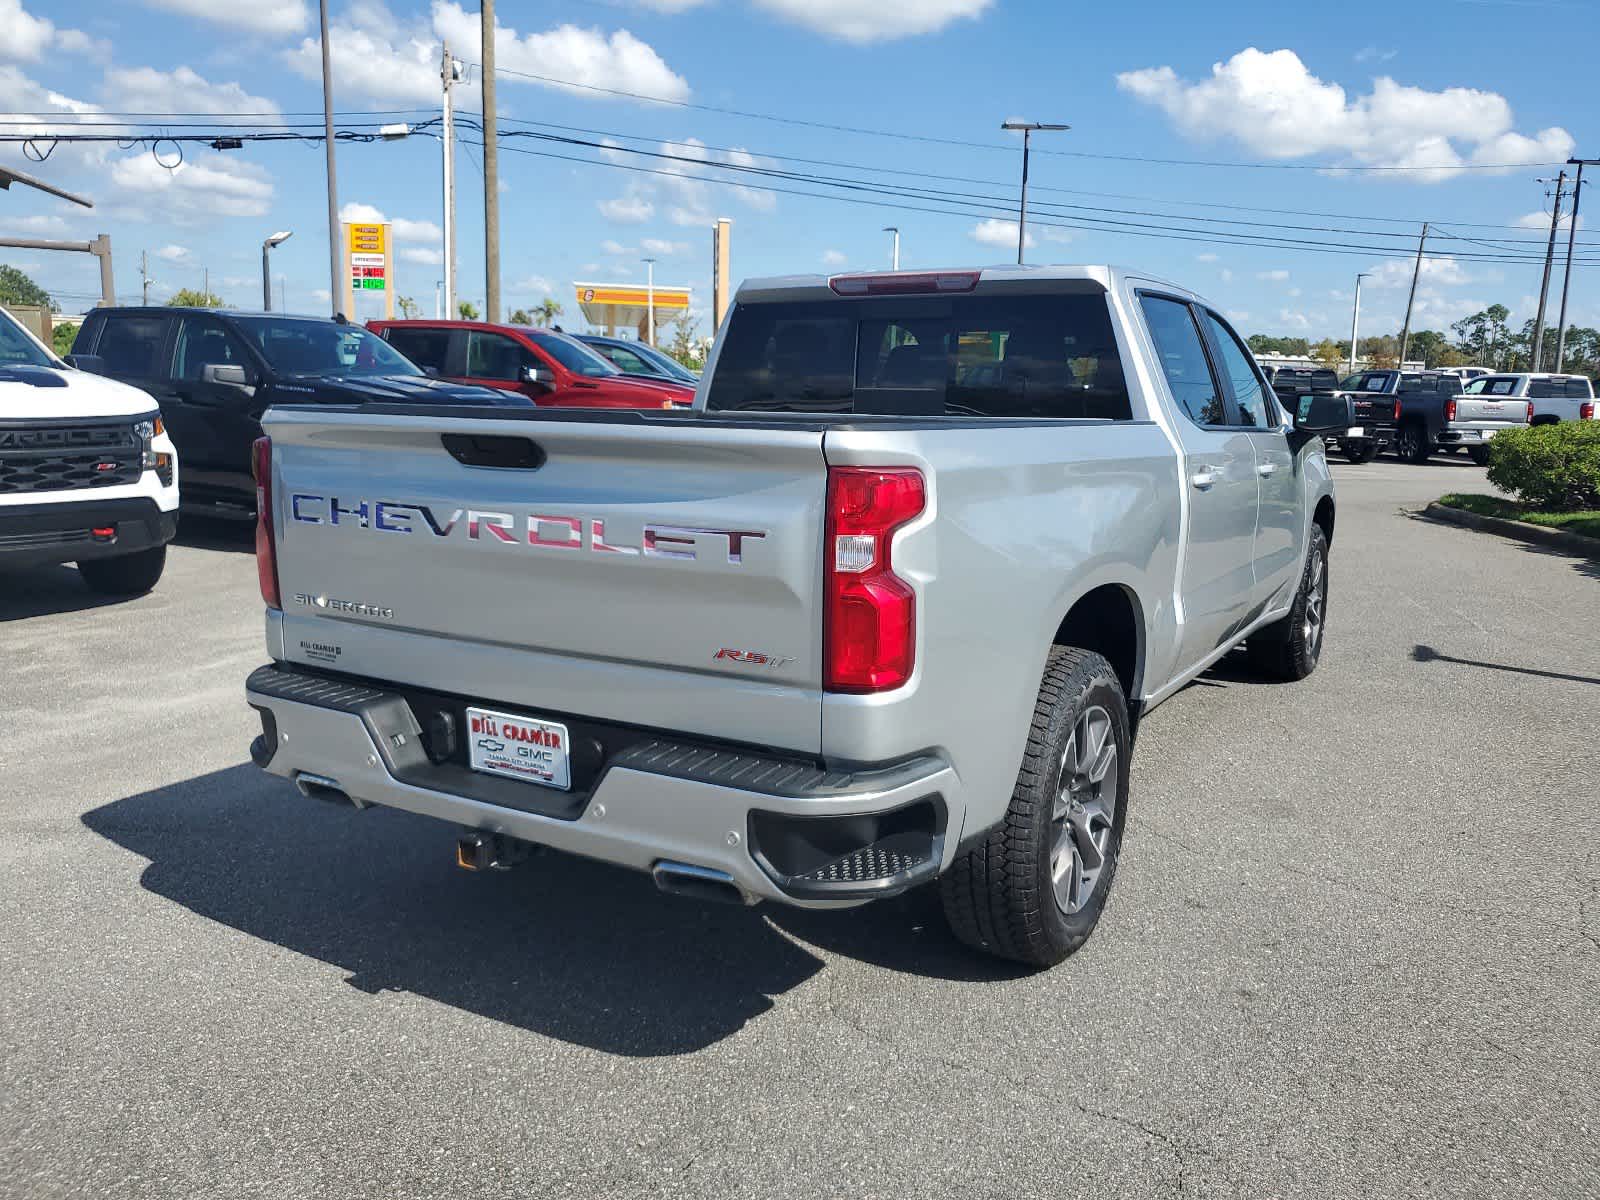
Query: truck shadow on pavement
x=574 y=950
x=43 y=590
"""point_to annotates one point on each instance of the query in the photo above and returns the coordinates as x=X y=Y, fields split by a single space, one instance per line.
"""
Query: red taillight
x=869 y=629
x=1450 y=409
x=1585 y=411
x=904 y=283
x=1397 y=409
x=266 y=548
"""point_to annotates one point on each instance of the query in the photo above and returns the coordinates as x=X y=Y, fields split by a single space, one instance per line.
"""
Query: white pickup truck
x=885 y=607
x=1552 y=397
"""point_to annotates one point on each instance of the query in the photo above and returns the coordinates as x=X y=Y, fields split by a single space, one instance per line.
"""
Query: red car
x=550 y=368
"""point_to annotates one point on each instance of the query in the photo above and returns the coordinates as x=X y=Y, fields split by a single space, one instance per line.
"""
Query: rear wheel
x=126 y=574
x=1411 y=443
x=1360 y=450
x=1034 y=888
x=1289 y=649
x=1479 y=454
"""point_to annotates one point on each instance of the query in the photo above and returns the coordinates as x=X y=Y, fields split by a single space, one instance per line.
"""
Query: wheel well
x=1109 y=621
x=1324 y=517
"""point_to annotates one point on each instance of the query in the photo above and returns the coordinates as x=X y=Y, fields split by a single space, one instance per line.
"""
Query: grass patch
x=1585 y=523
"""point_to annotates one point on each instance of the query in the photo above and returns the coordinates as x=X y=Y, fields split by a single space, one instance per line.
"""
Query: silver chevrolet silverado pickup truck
x=885 y=607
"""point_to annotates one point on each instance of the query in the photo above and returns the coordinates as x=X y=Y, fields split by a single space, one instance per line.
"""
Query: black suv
x=214 y=372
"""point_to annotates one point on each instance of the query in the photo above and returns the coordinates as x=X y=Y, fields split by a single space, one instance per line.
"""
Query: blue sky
x=1444 y=86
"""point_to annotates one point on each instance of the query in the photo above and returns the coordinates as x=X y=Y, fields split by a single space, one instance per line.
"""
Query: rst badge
x=758 y=659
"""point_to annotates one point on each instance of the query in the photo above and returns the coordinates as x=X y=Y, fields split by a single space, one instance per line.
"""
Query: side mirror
x=543 y=376
x=92 y=363
x=1323 y=412
x=431 y=372
x=229 y=374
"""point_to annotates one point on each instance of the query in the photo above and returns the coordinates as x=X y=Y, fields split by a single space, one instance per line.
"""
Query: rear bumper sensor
x=712 y=821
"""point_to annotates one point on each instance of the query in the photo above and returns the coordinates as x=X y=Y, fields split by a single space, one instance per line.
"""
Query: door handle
x=1266 y=469
x=1205 y=477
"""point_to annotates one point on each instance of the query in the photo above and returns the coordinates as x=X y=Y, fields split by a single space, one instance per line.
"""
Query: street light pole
x=447 y=74
x=1355 y=319
x=650 y=298
x=894 y=261
x=276 y=239
x=1027 y=128
x=491 y=173
x=333 y=171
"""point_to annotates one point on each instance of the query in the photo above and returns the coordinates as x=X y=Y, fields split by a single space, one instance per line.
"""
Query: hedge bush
x=1551 y=467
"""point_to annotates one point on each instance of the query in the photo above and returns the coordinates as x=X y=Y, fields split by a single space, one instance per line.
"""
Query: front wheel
x=1289 y=648
x=126 y=574
x=1361 y=450
x=1479 y=455
x=1034 y=888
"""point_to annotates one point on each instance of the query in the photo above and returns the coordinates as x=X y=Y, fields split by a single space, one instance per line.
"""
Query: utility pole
x=650 y=298
x=1027 y=128
x=1416 y=273
x=144 y=278
x=1549 y=261
x=449 y=73
x=491 y=174
x=1572 y=235
x=333 y=169
x=1355 y=319
x=205 y=286
x=894 y=260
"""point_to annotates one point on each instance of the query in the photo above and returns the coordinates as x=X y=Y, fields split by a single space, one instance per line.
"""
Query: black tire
x=1479 y=455
x=1362 y=450
x=1001 y=896
x=1411 y=443
x=126 y=574
x=1289 y=649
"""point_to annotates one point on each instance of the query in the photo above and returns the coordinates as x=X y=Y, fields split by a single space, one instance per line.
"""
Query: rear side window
x=1038 y=356
x=495 y=356
x=1255 y=410
x=1183 y=359
x=130 y=344
x=1371 y=381
x=425 y=347
x=1573 y=387
x=1500 y=387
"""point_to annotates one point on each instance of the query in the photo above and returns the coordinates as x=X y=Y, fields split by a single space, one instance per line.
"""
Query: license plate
x=1358 y=431
x=1487 y=434
x=520 y=747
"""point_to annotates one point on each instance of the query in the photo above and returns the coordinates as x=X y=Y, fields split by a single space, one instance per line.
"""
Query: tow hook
x=479 y=851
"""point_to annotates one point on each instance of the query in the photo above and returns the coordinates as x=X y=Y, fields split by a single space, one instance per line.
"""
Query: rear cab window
x=987 y=355
x=424 y=347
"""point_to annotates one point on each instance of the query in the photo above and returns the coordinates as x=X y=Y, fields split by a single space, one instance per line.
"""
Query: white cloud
x=615 y=248
x=145 y=89
x=1541 y=221
x=1393 y=273
x=632 y=209
x=416 y=231
x=881 y=20
x=279 y=17
x=35 y=224
x=1293 y=318
x=1225 y=275
x=1371 y=54
x=833 y=258
x=174 y=253
x=374 y=55
x=353 y=212
x=1273 y=105
x=26 y=37
x=1207 y=257
x=216 y=187
x=662 y=247
x=322 y=294
x=1293 y=292
x=1051 y=234
x=994 y=232
x=1237 y=315
x=619 y=61
x=426 y=256
x=1274 y=276
x=669 y=6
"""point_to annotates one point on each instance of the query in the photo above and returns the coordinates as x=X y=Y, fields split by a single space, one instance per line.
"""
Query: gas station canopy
x=613 y=306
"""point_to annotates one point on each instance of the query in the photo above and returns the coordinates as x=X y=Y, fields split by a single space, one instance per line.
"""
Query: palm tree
x=547 y=310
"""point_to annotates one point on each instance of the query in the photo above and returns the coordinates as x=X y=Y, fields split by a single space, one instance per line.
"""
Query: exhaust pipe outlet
x=698 y=883
x=320 y=787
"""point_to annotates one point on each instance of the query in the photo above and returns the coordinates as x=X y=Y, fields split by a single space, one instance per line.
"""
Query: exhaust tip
x=320 y=787
x=698 y=883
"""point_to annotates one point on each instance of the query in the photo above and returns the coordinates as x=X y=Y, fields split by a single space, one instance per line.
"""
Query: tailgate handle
x=493 y=450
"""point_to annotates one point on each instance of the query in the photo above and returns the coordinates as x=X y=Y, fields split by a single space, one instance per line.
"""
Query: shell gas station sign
x=613 y=306
x=370 y=265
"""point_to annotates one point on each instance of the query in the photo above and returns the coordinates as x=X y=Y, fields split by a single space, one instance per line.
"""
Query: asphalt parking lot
x=1354 y=949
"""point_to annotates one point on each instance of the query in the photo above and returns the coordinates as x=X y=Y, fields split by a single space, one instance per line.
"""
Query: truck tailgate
x=1473 y=410
x=659 y=573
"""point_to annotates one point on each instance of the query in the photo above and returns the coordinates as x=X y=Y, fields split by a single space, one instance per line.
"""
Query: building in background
x=614 y=306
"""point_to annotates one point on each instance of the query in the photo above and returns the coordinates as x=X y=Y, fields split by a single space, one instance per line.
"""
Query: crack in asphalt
x=1184 y=1156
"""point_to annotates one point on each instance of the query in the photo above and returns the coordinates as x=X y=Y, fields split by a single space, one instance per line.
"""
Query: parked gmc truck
x=885 y=607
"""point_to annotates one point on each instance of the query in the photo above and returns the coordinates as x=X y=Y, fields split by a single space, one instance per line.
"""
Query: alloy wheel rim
x=1084 y=813
x=1316 y=598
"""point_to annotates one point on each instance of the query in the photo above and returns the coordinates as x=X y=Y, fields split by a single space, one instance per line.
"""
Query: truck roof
x=1105 y=274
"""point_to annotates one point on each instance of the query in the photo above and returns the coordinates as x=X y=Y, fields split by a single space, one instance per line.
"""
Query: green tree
x=547 y=310
x=1328 y=352
x=409 y=308
x=17 y=288
x=191 y=298
x=1427 y=344
x=1484 y=336
x=467 y=310
x=519 y=317
x=686 y=343
x=62 y=336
